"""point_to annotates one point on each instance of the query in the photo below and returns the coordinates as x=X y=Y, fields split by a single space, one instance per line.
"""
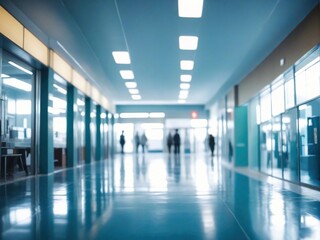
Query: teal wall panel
x=87 y=121
x=241 y=136
x=72 y=153
x=98 y=133
x=46 y=162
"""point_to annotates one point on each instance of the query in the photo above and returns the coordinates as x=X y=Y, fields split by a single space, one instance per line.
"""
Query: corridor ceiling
x=234 y=36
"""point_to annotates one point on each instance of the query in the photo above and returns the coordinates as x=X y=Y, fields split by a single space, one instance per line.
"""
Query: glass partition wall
x=16 y=118
x=289 y=122
x=59 y=111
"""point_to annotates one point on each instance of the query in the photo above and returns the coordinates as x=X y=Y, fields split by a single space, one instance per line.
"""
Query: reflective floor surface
x=155 y=197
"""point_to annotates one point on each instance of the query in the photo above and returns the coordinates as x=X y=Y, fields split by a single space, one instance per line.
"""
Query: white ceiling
x=234 y=37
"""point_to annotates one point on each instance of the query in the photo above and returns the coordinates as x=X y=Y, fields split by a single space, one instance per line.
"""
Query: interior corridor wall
x=253 y=135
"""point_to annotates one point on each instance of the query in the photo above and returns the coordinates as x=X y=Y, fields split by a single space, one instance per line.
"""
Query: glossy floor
x=156 y=197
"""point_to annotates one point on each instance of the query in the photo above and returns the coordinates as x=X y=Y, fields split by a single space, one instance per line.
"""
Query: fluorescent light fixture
x=127 y=74
x=16 y=83
x=80 y=102
x=4 y=75
x=103 y=115
x=121 y=57
x=186 y=64
x=136 y=97
x=134 y=115
x=188 y=42
x=185 y=78
x=184 y=86
x=190 y=8
x=133 y=91
x=183 y=94
x=131 y=84
x=181 y=101
x=60 y=89
x=157 y=115
x=21 y=68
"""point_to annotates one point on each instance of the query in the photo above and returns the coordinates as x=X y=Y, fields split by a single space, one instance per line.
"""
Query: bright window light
x=134 y=115
x=188 y=42
x=4 y=75
x=146 y=126
x=186 y=78
x=136 y=97
x=60 y=89
x=133 y=91
x=21 y=68
x=127 y=74
x=181 y=101
x=16 y=83
x=183 y=94
x=190 y=8
x=80 y=102
x=157 y=115
x=186 y=64
x=121 y=57
x=184 y=86
x=131 y=84
x=199 y=123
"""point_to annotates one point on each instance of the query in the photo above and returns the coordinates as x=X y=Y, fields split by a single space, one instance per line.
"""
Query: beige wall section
x=10 y=27
x=95 y=95
x=60 y=66
x=299 y=41
x=78 y=81
x=35 y=47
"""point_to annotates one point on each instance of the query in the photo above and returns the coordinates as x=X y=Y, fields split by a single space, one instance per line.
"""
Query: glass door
x=17 y=118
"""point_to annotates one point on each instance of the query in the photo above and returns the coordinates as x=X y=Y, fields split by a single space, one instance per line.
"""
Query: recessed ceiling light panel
x=185 y=78
x=127 y=74
x=190 y=8
x=188 y=42
x=131 y=84
x=184 y=86
x=183 y=94
x=186 y=64
x=121 y=57
x=136 y=97
x=133 y=91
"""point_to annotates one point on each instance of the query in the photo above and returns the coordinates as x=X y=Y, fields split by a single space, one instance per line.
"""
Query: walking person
x=212 y=143
x=176 y=141
x=169 y=142
x=137 y=141
x=122 y=142
x=143 y=141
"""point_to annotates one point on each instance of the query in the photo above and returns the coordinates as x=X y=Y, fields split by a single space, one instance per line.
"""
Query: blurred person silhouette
x=176 y=142
x=143 y=141
x=169 y=142
x=122 y=141
x=137 y=141
x=212 y=143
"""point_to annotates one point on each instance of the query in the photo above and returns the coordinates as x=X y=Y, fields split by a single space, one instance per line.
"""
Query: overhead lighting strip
x=21 y=68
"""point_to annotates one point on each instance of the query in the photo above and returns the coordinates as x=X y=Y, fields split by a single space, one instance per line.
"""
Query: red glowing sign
x=194 y=115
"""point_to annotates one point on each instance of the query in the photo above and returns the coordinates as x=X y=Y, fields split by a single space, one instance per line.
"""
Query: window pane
x=289 y=89
x=308 y=78
x=265 y=107
x=277 y=100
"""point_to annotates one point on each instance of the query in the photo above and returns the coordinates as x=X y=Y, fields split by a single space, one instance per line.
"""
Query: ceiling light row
x=188 y=9
x=123 y=57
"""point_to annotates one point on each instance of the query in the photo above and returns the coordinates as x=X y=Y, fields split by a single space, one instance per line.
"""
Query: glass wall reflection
x=81 y=127
x=309 y=123
x=290 y=145
x=16 y=117
x=59 y=111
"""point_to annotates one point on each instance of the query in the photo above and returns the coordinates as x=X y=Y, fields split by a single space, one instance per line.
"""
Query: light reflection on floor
x=155 y=196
